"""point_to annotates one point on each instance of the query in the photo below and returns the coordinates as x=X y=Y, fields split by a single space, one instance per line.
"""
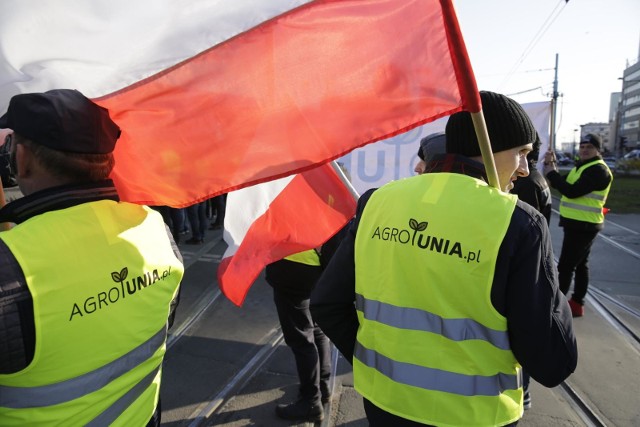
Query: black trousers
x=574 y=258
x=310 y=346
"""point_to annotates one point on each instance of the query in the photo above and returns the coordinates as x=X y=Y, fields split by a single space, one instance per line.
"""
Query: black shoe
x=301 y=410
x=194 y=241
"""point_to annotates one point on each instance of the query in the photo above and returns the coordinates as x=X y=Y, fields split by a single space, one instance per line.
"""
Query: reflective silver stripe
x=581 y=207
x=436 y=379
x=594 y=196
x=110 y=414
x=53 y=394
x=421 y=320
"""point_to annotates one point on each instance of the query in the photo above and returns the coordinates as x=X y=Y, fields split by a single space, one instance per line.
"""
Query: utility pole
x=554 y=101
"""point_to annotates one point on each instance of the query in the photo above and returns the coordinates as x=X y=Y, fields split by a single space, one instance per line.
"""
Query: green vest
x=587 y=208
x=430 y=346
x=309 y=257
x=102 y=276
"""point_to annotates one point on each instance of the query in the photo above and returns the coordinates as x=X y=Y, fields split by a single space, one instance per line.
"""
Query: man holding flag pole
x=444 y=287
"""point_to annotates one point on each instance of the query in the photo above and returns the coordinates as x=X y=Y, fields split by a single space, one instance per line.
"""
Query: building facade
x=628 y=129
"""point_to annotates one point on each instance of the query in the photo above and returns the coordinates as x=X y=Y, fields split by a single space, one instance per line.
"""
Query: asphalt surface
x=607 y=377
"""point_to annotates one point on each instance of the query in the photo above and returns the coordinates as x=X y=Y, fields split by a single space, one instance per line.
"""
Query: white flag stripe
x=245 y=206
x=376 y=164
x=73 y=44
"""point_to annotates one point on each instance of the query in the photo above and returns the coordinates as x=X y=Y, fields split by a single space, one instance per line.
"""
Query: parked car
x=630 y=162
x=633 y=154
x=563 y=159
x=610 y=161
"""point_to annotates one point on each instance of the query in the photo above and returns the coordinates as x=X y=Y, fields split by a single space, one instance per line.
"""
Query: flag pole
x=347 y=183
x=480 y=127
x=469 y=89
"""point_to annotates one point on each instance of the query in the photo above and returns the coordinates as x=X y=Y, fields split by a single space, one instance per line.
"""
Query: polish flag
x=213 y=96
x=269 y=221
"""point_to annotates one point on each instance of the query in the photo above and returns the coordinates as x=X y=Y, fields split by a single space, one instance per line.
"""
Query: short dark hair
x=74 y=167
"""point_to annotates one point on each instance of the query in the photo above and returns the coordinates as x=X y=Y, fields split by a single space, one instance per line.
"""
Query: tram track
x=571 y=394
x=578 y=404
x=264 y=350
x=242 y=377
x=597 y=299
x=212 y=404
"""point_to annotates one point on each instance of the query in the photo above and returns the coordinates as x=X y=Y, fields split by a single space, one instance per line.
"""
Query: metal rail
x=581 y=408
x=212 y=405
x=595 y=299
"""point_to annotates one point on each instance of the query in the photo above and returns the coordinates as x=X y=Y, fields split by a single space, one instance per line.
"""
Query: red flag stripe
x=300 y=89
x=306 y=213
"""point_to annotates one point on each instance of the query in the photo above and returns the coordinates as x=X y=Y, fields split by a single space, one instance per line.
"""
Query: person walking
x=219 y=205
x=443 y=288
x=88 y=283
x=292 y=279
x=197 y=216
x=584 y=193
x=430 y=146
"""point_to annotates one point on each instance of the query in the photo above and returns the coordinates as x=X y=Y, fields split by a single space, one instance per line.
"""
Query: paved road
x=198 y=369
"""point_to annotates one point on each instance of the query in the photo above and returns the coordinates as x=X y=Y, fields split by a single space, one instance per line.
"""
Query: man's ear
x=24 y=161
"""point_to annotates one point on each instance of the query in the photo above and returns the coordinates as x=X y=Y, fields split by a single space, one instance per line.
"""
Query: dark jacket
x=593 y=178
x=525 y=290
x=292 y=278
x=534 y=190
x=17 y=328
x=299 y=279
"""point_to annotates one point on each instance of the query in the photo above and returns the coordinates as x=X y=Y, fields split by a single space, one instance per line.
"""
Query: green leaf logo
x=119 y=277
x=417 y=226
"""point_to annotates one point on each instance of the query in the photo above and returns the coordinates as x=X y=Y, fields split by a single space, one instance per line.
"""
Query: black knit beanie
x=593 y=140
x=432 y=145
x=508 y=125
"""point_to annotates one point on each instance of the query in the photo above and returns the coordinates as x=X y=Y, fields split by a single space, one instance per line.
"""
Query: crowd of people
x=442 y=291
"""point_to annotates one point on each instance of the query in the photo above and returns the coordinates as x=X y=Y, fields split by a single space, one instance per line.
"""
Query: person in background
x=431 y=145
x=219 y=205
x=584 y=193
x=292 y=280
x=534 y=188
x=88 y=283
x=197 y=216
x=444 y=286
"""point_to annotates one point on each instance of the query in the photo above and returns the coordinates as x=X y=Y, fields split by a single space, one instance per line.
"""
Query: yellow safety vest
x=309 y=257
x=430 y=346
x=102 y=276
x=587 y=208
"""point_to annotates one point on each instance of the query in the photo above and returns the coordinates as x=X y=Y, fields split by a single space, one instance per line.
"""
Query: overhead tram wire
x=541 y=31
x=525 y=91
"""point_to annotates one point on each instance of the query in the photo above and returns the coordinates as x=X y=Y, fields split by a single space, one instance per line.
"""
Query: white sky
x=593 y=38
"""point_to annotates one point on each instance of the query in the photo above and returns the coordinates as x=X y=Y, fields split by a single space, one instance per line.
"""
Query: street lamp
x=573 y=146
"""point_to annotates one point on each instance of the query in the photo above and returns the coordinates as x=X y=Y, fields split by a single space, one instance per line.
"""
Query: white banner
x=376 y=164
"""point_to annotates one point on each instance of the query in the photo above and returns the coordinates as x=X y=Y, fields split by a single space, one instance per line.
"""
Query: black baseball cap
x=62 y=119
